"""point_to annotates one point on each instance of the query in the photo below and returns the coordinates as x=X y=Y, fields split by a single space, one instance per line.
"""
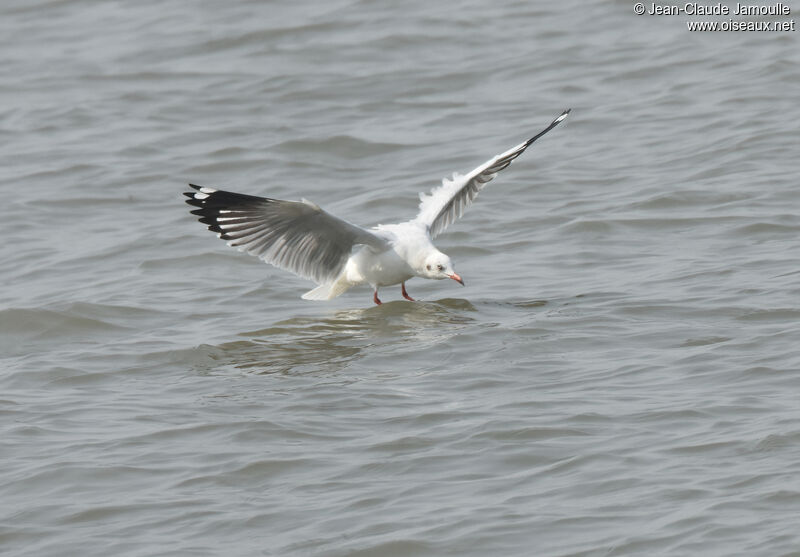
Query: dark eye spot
x=440 y=267
x=428 y=267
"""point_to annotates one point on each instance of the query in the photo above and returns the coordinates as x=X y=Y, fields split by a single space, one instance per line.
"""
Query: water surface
x=619 y=377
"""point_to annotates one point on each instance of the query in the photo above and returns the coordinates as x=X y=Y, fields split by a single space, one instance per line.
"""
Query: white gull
x=300 y=237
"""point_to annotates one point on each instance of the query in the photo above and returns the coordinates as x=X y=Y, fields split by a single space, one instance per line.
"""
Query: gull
x=301 y=237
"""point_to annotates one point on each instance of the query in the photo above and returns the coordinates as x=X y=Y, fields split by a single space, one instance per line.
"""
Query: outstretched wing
x=446 y=203
x=296 y=236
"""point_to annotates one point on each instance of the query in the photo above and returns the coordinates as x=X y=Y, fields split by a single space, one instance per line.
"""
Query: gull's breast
x=378 y=269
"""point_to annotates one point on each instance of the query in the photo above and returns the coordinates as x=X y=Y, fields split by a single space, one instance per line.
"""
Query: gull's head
x=438 y=266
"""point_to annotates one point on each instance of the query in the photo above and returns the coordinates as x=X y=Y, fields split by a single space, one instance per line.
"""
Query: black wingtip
x=552 y=125
x=190 y=195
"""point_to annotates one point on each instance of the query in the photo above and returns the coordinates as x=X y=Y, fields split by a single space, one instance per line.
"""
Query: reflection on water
x=329 y=344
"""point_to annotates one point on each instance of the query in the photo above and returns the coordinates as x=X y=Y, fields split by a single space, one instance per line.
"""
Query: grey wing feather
x=296 y=236
x=447 y=203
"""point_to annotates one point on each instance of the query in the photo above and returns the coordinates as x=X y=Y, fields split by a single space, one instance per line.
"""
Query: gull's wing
x=296 y=236
x=446 y=203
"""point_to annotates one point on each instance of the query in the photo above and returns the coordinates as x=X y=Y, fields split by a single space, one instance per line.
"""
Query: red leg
x=375 y=297
x=405 y=294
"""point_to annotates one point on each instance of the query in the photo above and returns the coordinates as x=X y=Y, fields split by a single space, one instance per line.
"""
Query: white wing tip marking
x=310 y=204
x=206 y=191
x=200 y=195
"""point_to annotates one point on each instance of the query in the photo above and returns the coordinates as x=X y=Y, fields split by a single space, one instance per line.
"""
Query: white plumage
x=302 y=238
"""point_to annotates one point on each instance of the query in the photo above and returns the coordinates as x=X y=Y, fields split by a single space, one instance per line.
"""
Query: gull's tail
x=328 y=291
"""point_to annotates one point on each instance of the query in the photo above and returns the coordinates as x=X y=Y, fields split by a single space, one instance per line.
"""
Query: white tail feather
x=328 y=291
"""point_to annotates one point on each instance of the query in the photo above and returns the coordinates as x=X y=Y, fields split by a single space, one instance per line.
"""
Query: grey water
x=620 y=375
